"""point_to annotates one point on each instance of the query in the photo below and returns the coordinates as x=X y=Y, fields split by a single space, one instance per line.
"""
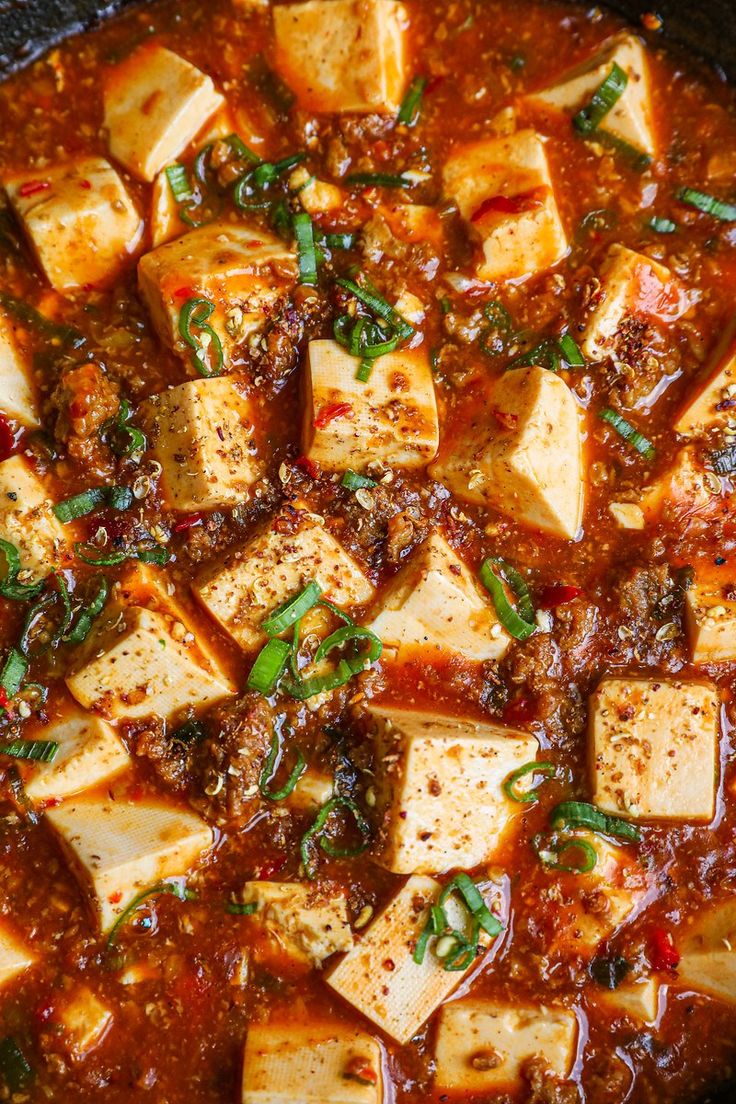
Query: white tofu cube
x=343 y=55
x=710 y=620
x=654 y=746
x=631 y=286
x=14 y=957
x=27 y=519
x=711 y=400
x=243 y=270
x=319 y=1063
x=120 y=847
x=435 y=602
x=504 y=191
x=243 y=589
x=521 y=453
x=79 y=220
x=316 y=196
x=631 y=117
x=83 y=1022
x=483 y=1046
x=685 y=493
x=17 y=389
x=202 y=434
x=412 y=223
x=708 y=952
x=379 y=976
x=441 y=788
x=90 y=752
x=392 y=417
x=306 y=924
x=627 y=515
x=155 y=103
x=637 y=999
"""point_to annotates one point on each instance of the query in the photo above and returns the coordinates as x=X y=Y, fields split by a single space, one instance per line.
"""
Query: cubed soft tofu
x=243 y=270
x=520 y=452
x=711 y=399
x=79 y=220
x=441 y=790
x=393 y=226
x=17 y=390
x=392 y=417
x=654 y=745
x=483 y=1045
x=307 y=924
x=708 y=952
x=312 y=791
x=413 y=223
x=504 y=191
x=202 y=434
x=710 y=619
x=631 y=116
x=686 y=492
x=155 y=102
x=631 y=286
x=120 y=847
x=27 y=519
x=436 y=602
x=317 y=1063
x=82 y=1022
x=315 y=196
x=379 y=976
x=14 y=957
x=627 y=515
x=637 y=999
x=293 y=549
x=90 y=752
x=343 y=55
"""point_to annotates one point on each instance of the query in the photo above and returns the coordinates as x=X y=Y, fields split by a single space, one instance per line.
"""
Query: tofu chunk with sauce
x=504 y=191
x=307 y=924
x=27 y=519
x=90 y=752
x=708 y=952
x=15 y=958
x=244 y=271
x=521 y=453
x=711 y=400
x=343 y=55
x=79 y=219
x=654 y=745
x=685 y=493
x=312 y=1063
x=435 y=602
x=483 y=1046
x=119 y=847
x=710 y=620
x=155 y=103
x=440 y=783
x=392 y=417
x=637 y=999
x=17 y=389
x=202 y=434
x=82 y=1021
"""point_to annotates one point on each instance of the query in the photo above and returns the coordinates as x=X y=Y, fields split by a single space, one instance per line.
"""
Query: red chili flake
x=330 y=412
x=188 y=523
x=557 y=595
x=509 y=205
x=185 y=293
x=31 y=187
x=4 y=700
x=115 y=898
x=85 y=184
x=267 y=870
x=358 y=1069
x=508 y=421
x=7 y=438
x=52 y=802
x=255 y=244
x=519 y=712
x=663 y=954
x=311 y=467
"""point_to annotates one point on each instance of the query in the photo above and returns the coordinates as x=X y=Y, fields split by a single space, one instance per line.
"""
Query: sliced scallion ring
x=580 y=814
x=37 y=751
x=662 y=225
x=370 y=298
x=304 y=234
x=520 y=624
x=710 y=205
x=13 y=672
x=81 y=628
x=529 y=795
x=377 y=180
x=411 y=105
x=571 y=351
x=551 y=852
x=603 y=100
x=285 y=615
x=269 y=769
x=269 y=666
x=315 y=834
x=236 y=908
x=208 y=359
x=628 y=433
x=178 y=179
x=9 y=587
x=172 y=888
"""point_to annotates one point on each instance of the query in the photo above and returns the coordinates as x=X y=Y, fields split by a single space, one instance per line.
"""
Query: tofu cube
x=631 y=118
x=79 y=219
x=307 y=924
x=684 y=494
x=435 y=602
x=413 y=223
x=637 y=999
x=710 y=620
x=504 y=191
x=17 y=390
x=83 y=1021
x=243 y=589
x=120 y=847
x=343 y=55
x=654 y=746
x=711 y=401
x=27 y=519
x=627 y=515
x=316 y=196
x=441 y=790
x=245 y=271
x=379 y=976
x=202 y=434
x=155 y=102
x=310 y=1063
x=392 y=417
x=521 y=453
x=14 y=957
x=312 y=791
x=90 y=752
x=631 y=286
x=507 y=1037
x=708 y=952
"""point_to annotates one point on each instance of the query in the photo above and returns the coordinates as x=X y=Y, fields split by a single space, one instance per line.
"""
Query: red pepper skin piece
x=5 y=701
x=330 y=412
x=309 y=466
x=7 y=438
x=188 y=523
x=557 y=595
x=663 y=954
x=508 y=205
x=32 y=187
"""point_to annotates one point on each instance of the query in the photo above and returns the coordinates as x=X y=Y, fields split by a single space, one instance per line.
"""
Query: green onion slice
x=285 y=615
x=269 y=666
x=124 y=439
x=580 y=814
x=551 y=852
x=708 y=204
x=339 y=240
x=304 y=233
x=81 y=629
x=370 y=298
x=236 y=908
x=65 y=335
x=240 y=150
x=520 y=624
x=637 y=160
x=629 y=433
x=117 y=498
x=178 y=180
x=354 y=482
x=662 y=225
x=207 y=358
x=529 y=795
x=603 y=100
x=13 y=672
x=270 y=767
x=172 y=888
x=571 y=352
x=315 y=834
x=52 y=633
x=377 y=180
x=9 y=587
x=15 y=1069
x=411 y=105
x=37 y=751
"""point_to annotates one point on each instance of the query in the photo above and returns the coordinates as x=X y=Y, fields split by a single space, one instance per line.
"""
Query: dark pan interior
x=704 y=27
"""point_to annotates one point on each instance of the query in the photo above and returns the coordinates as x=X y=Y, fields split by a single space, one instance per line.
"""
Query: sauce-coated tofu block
x=708 y=952
x=392 y=417
x=79 y=220
x=654 y=744
x=711 y=400
x=311 y=1064
x=631 y=116
x=521 y=453
x=27 y=519
x=710 y=619
x=14 y=957
x=120 y=847
x=241 y=591
x=244 y=271
x=343 y=55
x=504 y=190
x=684 y=492
x=441 y=788
x=155 y=102
x=483 y=1046
x=90 y=752
x=307 y=924
x=637 y=999
x=202 y=434
x=17 y=392
x=631 y=287
x=435 y=602
x=82 y=1022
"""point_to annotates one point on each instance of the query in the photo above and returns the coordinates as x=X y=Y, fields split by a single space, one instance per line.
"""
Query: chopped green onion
x=346 y=635
x=339 y=241
x=160 y=888
x=90 y=554
x=603 y=100
x=498 y=316
x=304 y=233
x=50 y=636
x=303 y=689
x=370 y=298
x=15 y=1069
x=269 y=666
x=354 y=482
x=191 y=732
x=526 y=796
x=117 y=498
x=662 y=225
x=708 y=204
x=411 y=105
x=315 y=834
x=13 y=672
x=155 y=554
x=571 y=351
x=285 y=615
x=240 y=150
x=462 y=954
x=65 y=335
x=206 y=358
x=178 y=180
x=269 y=769
x=638 y=160
x=126 y=440
x=629 y=433
x=377 y=180
x=80 y=631
x=37 y=751
x=235 y=908
x=9 y=587
x=519 y=624
x=546 y=355
x=551 y=853
x=580 y=814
